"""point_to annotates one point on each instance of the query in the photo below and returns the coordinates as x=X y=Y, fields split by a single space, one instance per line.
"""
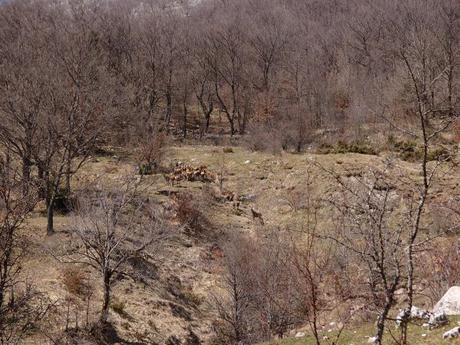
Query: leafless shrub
x=22 y=307
x=79 y=291
x=75 y=281
x=365 y=209
x=151 y=154
x=441 y=268
x=456 y=131
x=262 y=138
x=445 y=215
x=189 y=211
x=23 y=314
x=260 y=295
x=111 y=229
x=234 y=304
x=296 y=198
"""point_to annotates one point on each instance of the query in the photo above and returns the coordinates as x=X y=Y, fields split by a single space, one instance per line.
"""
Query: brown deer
x=256 y=214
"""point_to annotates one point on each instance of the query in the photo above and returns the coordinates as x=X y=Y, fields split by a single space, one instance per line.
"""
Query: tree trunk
x=450 y=91
x=106 y=302
x=87 y=311
x=185 y=110
x=381 y=322
x=232 y=125
x=208 y=118
x=50 y=191
x=26 y=165
x=168 y=96
x=68 y=176
x=42 y=188
x=50 y=216
x=168 y=111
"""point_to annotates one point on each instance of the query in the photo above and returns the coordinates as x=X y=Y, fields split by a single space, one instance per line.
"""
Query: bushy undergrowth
x=410 y=151
x=189 y=213
x=359 y=146
x=75 y=281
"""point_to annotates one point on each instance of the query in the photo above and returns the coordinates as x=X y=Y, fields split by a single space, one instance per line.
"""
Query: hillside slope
x=168 y=299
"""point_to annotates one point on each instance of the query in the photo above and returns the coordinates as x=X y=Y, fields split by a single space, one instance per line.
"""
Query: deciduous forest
x=239 y=172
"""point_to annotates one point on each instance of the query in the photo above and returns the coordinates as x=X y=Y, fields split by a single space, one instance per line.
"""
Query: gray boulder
x=450 y=302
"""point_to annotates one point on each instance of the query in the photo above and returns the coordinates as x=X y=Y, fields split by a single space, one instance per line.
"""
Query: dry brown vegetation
x=153 y=282
x=225 y=172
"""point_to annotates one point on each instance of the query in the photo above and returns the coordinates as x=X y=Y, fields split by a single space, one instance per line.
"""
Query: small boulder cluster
x=433 y=320
x=437 y=320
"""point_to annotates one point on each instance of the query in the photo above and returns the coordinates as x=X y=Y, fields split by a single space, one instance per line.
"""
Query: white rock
x=437 y=319
x=371 y=340
x=415 y=313
x=450 y=302
x=400 y=291
x=247 y=197
x=418 y=313
x=300 y=334
x=453 y=333
x=423 y=335
x=247 y=162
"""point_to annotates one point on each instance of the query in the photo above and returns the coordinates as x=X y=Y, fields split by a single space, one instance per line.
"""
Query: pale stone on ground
x=450 y=302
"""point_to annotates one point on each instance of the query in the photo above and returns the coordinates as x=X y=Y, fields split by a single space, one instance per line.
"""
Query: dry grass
x=261 y=180
x=360 y=336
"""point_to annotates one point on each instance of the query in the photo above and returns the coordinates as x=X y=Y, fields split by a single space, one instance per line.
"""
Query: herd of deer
x=184 y=172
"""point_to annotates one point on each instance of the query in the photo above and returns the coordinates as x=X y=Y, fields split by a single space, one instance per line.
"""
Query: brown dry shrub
x=151 y=154
x=445 y=216
x=296 y=198
x=342 y=100
x=440 y=268
x=264 y=138
x=189 y=212
x=76 y=282
x=456 y=131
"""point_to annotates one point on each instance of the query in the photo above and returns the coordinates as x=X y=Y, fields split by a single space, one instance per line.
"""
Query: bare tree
x=448 y=35
x=366 y=208
x=73 y=116
x=279 y=305
x=267 y=38
x=21 y=306
x=261 y=296
x=234 y=306
x=418 y=59
x=225 y=54
x=202 y=84
x=111 y=229
x=312 y=263
x=21 y=84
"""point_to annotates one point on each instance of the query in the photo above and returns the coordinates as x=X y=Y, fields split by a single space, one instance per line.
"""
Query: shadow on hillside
x=107 y=335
